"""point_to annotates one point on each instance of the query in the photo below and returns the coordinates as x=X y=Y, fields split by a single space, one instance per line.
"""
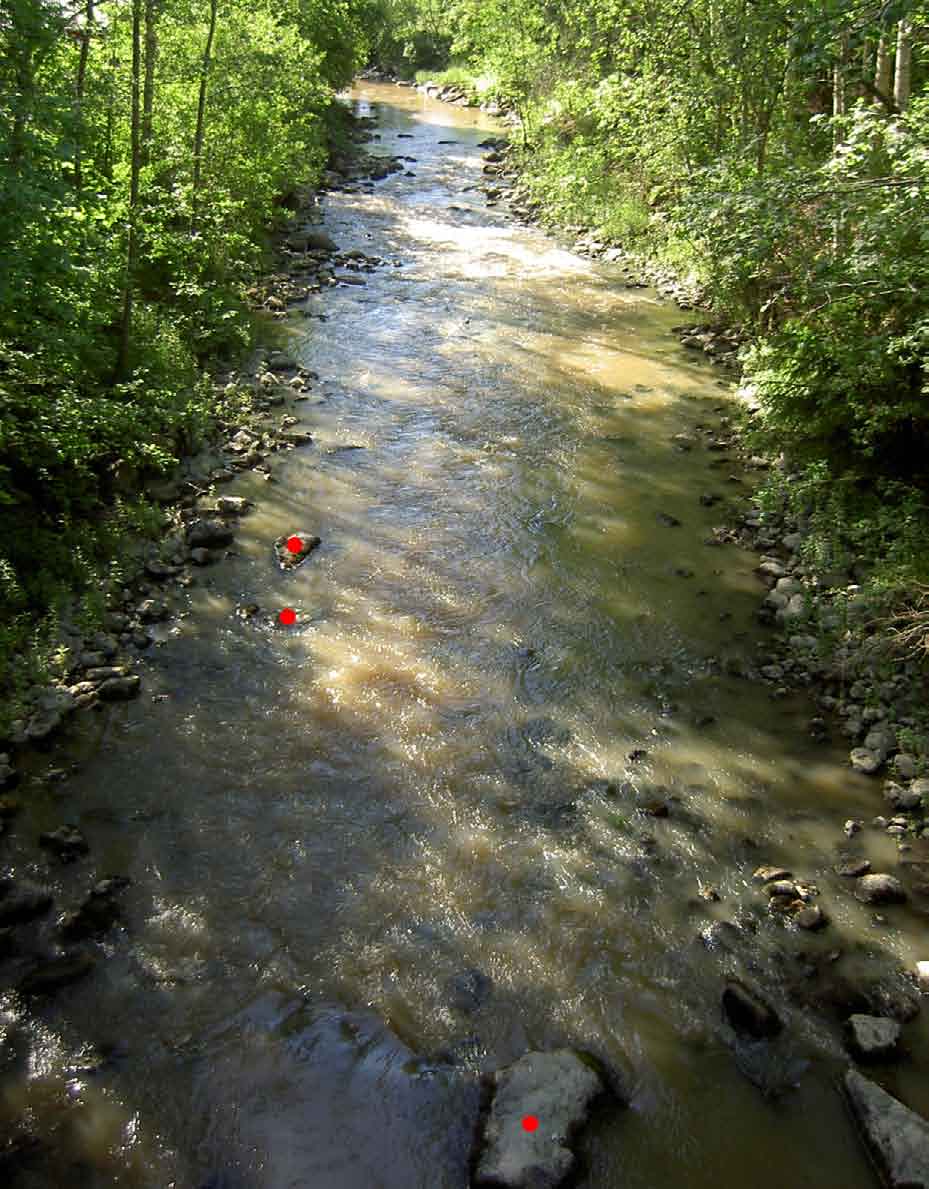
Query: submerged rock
x=897 y=1138
x=556 y=1090
x=335 y=1101
x=22 y=902
x=56 y=972
x=748 y=1013
x=67 y=843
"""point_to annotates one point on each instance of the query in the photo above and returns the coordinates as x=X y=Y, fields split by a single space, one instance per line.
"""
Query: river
x=512 y=639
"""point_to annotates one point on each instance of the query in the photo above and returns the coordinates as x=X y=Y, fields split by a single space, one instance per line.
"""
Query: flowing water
x=430 y=774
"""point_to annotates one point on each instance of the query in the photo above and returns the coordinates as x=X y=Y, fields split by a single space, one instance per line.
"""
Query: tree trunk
x=79 y=96
x=838 y=84
x=148 y=90
x=125 y=334
x=882 y=70
x=201 y=109
x=904 y=62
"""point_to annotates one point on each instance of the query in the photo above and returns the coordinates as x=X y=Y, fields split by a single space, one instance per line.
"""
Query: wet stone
x=811 y=917
x=880 y=889
x=853 y=869
x=289 y=561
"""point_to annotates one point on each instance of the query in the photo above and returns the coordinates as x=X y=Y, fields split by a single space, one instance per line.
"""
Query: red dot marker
x=288 y=616
x=530 y=1123
x=294 y=544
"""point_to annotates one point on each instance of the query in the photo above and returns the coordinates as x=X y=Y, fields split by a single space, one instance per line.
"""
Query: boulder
x=873 y=1038
x=896 y=1137
x=880 y=889
x=897 y=797
x=553 y=1090
x=865 y=760
x=748 y=1013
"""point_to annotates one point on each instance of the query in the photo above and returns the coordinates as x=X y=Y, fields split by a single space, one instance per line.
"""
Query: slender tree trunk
x=79 y=96
x=838 y=84
x=201 y=110
x=904 y=63
x=883 y=73
x=111 y=100
x=125 y=334
x=148 y=90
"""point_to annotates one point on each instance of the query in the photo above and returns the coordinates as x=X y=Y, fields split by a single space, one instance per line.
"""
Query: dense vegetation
x=778 y=152
x=145 y=145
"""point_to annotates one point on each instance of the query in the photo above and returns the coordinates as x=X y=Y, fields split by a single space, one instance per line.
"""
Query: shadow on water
x=435 y=799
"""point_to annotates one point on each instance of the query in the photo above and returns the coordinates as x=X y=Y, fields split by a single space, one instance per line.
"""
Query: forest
x=776 y=153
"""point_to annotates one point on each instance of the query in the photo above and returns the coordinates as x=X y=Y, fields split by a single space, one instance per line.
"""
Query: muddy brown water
x=357 y=814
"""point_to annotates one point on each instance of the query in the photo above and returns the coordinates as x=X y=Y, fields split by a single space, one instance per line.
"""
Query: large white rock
x=555 y=1088
x=897 y=1137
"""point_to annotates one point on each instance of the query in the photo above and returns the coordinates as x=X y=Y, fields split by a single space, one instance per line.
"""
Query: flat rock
x=558 y=1089
x=748 y=1013
x=897 y=1138
x=880 y=889
x=873 y=1038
